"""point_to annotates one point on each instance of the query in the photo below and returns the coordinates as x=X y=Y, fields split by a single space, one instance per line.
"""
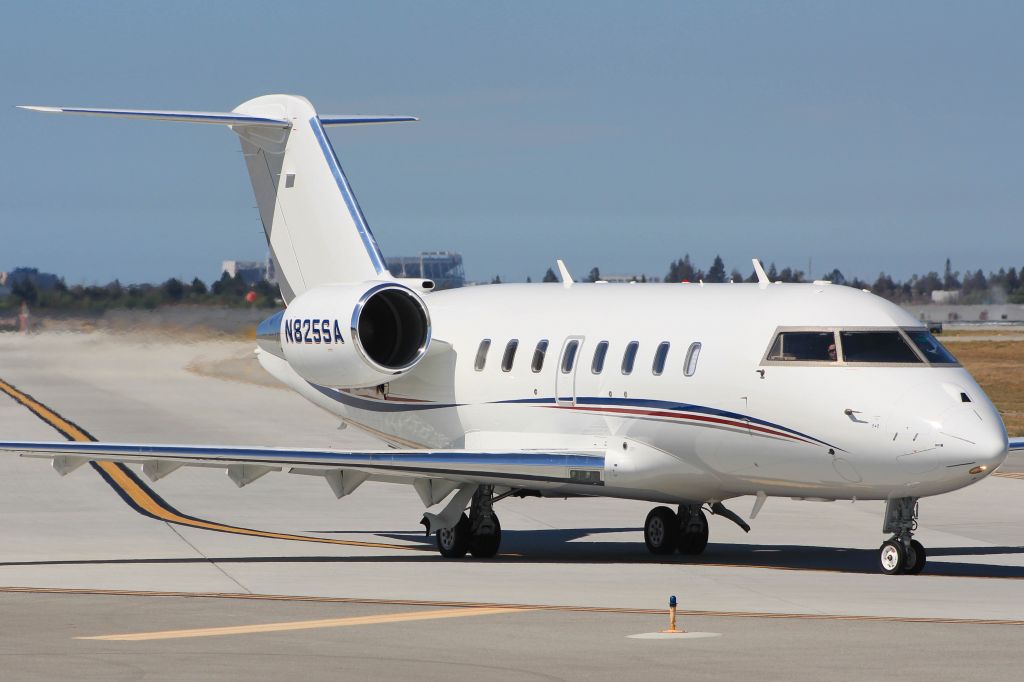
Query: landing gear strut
x=901 y=553
x=693 y=529
x=479 y=533
x=665 y=531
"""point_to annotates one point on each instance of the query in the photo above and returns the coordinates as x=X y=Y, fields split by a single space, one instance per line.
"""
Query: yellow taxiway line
x=304 y=624
x=145 y=500
x=509 y=607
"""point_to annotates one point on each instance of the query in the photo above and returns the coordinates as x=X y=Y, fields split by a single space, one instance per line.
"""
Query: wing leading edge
x=516 y=468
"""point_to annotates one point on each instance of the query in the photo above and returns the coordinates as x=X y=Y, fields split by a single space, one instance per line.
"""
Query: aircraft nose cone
x=971 y=438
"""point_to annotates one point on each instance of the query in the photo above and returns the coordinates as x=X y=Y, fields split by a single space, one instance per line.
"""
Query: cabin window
x=692 y=355
x=660 y=356
x=933 y=351
x=538 y=356
x=629 y=357
x=569 y=357
x=597 y=366
x=510 y=355
x=481 y=355
x=877 y=346
x=817 y=346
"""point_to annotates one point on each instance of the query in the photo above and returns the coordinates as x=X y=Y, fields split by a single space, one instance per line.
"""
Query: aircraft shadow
x=574 y=546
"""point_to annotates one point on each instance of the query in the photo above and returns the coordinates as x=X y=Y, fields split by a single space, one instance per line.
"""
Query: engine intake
x=391 y=327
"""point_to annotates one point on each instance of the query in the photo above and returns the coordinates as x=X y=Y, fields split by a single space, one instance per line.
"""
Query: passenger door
x=565 y=373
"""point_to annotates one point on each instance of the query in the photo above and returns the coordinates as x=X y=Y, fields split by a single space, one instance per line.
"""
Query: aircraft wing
x=344 y=469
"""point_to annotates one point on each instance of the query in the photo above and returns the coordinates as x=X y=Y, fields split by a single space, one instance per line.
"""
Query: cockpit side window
x=815 y=346
x=933 y=351
x=876 y=346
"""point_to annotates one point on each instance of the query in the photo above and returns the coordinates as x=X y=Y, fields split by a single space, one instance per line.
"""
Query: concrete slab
x=800 y=558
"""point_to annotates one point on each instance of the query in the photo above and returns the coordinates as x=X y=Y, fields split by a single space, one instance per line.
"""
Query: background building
x=443 y=267
x=251 y=271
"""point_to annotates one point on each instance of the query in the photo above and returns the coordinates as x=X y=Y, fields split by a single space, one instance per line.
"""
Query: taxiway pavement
x=797 y=596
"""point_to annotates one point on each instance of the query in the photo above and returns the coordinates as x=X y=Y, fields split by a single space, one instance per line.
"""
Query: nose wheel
x=901 y=553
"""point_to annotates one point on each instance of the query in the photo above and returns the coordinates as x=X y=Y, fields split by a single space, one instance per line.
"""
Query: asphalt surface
x=799 y=597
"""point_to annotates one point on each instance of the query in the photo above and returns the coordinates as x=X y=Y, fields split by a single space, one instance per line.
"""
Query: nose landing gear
x=901 y=553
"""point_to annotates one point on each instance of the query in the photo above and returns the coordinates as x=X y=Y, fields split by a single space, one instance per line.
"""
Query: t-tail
x=316 y=231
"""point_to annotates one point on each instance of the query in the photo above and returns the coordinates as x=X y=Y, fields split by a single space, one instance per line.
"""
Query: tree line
x=227 y=291
x=1002 y=286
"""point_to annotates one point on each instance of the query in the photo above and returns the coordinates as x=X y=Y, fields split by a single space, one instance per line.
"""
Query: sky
x=868 y=136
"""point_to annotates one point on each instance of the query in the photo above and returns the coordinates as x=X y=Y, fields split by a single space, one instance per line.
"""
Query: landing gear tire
x=693 y=541
x=892 y=557
x=901 y=553
x=661 y=531
x=916 y=558
x=485 y=545
x=454 y=542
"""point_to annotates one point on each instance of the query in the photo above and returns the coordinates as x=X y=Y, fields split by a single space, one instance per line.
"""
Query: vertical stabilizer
x=316 y=230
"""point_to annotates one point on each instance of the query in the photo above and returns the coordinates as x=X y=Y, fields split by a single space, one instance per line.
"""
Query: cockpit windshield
x=876 y=346
x=863 y=346
x=933 y=351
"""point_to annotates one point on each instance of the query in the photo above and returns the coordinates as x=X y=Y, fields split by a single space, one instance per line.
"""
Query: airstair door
x=565 y=373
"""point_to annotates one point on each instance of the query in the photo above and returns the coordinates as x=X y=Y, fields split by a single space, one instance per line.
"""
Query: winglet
x=762 y=276
x=564 y=272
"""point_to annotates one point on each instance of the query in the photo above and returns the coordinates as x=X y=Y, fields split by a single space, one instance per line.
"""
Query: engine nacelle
x=352 y=335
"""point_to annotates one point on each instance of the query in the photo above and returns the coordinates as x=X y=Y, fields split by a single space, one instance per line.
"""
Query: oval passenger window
x=481 y=355
x=692 y=355
x=569 y=359
x=538 y=356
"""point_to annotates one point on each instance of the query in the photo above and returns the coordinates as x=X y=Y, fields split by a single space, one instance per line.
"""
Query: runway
x=104 y=553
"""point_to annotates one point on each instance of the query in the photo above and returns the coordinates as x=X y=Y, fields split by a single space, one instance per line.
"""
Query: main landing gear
x=901 y=553
x=666 y=531
x=478 y=534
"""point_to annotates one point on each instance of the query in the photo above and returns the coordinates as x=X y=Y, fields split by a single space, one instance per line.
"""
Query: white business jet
x=681 y=394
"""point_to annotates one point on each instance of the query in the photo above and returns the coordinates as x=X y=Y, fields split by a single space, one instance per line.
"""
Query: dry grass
x=999 y=367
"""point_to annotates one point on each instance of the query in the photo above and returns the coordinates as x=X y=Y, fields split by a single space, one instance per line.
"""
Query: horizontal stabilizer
x=355 y=120
x=224 y=118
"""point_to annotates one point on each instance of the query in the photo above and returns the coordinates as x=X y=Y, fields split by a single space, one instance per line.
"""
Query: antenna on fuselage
x=762 y=276
x=564 y=272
